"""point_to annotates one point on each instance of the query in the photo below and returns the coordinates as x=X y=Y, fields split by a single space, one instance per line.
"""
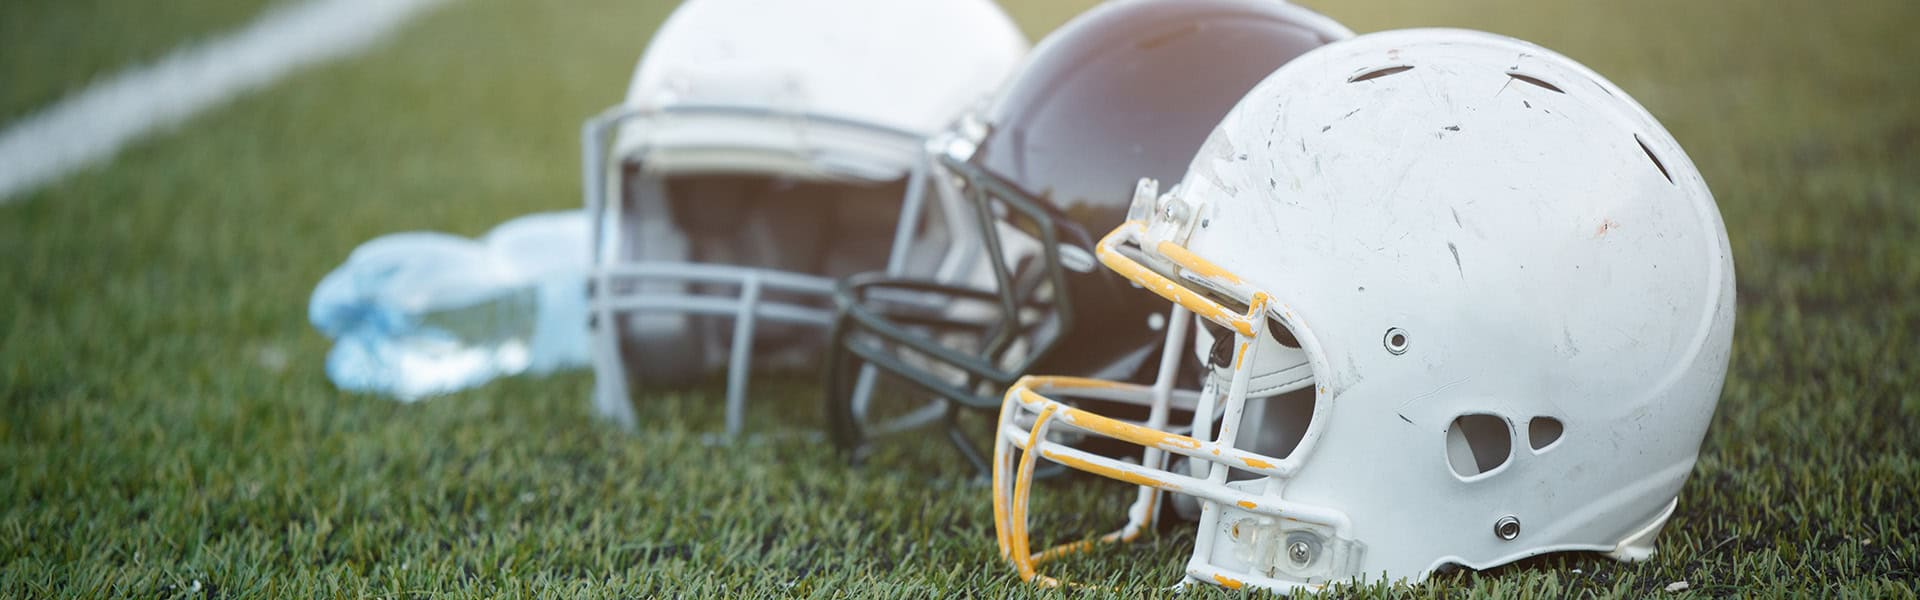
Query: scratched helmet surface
x=1124 y=90
x=1464 y=302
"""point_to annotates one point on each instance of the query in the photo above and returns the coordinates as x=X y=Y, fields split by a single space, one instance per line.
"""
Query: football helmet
x=1478 y=296
x=764 y=149
x=1125 y=89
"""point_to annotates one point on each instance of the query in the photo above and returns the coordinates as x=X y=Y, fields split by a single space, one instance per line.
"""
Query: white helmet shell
x=906 y=66
x=1512 y=287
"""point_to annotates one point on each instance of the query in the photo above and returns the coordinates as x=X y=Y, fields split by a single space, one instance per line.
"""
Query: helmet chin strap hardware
x=1145 y=193
x=1168 y=217
x=958 y=147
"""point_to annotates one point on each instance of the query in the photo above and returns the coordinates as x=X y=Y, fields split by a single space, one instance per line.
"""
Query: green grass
x=164 y=418
x=55 y=47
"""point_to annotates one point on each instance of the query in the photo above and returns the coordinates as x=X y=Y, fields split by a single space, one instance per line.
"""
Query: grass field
x=166 y=429
x=55 y=47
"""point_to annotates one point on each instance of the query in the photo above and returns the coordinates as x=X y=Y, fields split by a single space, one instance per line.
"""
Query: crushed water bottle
x=418 y=314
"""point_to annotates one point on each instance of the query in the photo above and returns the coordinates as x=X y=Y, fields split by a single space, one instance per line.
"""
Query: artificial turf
x=167 y=429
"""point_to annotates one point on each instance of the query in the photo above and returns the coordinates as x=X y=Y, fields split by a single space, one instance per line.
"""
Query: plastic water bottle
x=418 y=314
x=549 y=251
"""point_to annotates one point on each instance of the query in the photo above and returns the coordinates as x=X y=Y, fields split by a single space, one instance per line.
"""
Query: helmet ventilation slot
x=1653 y=157
x=1478 y=444
x=1378 y=73
x=1536 y=81
x=1542 y=432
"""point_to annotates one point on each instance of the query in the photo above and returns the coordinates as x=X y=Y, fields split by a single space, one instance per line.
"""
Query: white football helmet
x=1463 y=302
x=764 y=149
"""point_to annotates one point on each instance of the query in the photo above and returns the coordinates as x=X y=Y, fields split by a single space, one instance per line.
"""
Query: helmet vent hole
x=1653 y=157
x=1378 y=73
x=1543 y=432
x=1478 y=444
x=1536 y=81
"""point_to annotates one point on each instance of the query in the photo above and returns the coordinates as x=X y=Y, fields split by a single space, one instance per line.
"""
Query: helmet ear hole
x=1477 y=444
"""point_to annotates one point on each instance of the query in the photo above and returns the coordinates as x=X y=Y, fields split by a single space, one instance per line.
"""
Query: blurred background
x=166 y=427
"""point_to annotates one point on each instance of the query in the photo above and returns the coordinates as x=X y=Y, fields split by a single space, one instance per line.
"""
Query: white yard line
x=92 y=125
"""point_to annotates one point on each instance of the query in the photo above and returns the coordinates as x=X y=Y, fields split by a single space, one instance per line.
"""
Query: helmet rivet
x=1299 y=552
x=1397 y=341
x=1507 y=528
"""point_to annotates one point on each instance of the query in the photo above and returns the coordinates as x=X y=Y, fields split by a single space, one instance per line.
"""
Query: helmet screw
x=1507 y=528
x=1299 y=552
x=1396 y=341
